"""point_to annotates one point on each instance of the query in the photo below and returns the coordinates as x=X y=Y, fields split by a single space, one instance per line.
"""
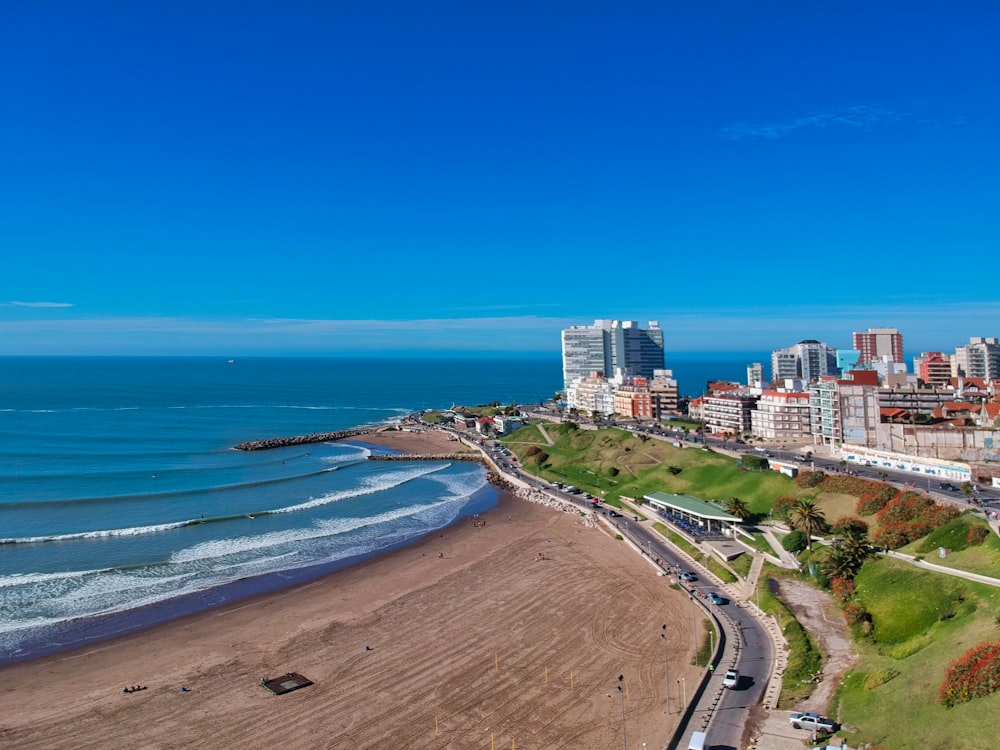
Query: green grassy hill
x=922 y=621
x=619 y=462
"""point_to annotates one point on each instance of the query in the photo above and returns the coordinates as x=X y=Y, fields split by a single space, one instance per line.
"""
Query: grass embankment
x=921 y=622
x=615 y=462
x=953 y=537
x=804 y=658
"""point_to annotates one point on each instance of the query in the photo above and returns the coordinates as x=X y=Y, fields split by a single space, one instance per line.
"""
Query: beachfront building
x=505 y=424
x=844 y=409
x=807 y=360
x=934 y=368
x=782 y=416
x=914 y=398
x=755 y=375
x=696 y=519
x=728 y=412
x=664 y=396
x=980 y=358
x=609 y=346
x=878 y=344
x=593 y=394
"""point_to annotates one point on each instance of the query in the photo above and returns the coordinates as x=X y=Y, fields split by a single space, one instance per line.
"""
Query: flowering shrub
x=895 y=535
x=809 y=479
x=855 y=614
x=857 y=486
x=976 y=535
x=912 y=506
x=906 y=506
x=843 y=589
x=973 y=675
x=870 y=504
x=847 y=525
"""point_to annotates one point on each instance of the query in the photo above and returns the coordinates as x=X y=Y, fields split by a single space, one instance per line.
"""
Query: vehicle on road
x=732 y=678
x=614 y=514
x=812 y=721
x=947 y=486
x=685 y=576
x=697 y=741
x=716 y=599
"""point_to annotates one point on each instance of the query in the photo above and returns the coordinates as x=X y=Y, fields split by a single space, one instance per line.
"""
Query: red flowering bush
x=855 y=614
x=857 y=486
x=976 y=535
x=870 y=504
x=895 y=535
x=843 y=589
x=974 y=675
x=904 y=507
x=847 y=525
x=808 y=479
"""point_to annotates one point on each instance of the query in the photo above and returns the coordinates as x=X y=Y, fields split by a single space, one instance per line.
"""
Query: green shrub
x=976 y=535
x=876 y=679
x=795 y=541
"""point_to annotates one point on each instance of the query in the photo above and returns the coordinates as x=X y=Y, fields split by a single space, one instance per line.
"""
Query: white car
x=732 y=679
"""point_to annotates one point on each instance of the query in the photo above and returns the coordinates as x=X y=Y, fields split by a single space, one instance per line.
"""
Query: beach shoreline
x=520 y=620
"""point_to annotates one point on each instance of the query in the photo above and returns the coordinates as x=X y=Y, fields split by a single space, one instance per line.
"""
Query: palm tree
x=738 y=507
x=838 y=564
x=807 y=518
x=857 y=548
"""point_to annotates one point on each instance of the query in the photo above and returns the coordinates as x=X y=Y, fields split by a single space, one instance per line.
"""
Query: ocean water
x=123 y=503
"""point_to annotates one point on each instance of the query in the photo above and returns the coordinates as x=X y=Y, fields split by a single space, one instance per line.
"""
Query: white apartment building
x=980 y=358
x=782 y=416
x=808 y=360
x=594 y=394
x=609 y=346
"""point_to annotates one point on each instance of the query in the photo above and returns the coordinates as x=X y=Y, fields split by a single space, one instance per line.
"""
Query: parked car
x=732 y=679
x=811 y=721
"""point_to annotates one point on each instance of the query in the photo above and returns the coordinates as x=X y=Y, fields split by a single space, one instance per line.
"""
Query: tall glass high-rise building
x=610 y=345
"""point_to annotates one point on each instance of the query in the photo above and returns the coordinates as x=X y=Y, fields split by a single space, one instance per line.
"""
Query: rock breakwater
x=316 y=437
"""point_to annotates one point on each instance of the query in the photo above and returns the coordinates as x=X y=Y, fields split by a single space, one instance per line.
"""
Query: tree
x=857 y=548
x=738 y=507
x=838 y=564
x=807 y=518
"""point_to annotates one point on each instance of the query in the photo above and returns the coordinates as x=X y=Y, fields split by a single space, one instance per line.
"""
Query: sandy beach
x=475 y=641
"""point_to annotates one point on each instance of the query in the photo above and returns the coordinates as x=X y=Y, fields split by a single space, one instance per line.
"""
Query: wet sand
x=475 y=642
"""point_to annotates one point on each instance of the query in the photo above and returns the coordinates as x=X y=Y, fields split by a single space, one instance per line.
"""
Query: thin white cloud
x=858 y=116
x=16 y=303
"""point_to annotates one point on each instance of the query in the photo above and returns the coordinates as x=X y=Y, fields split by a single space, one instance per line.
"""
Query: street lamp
x=666 y=665
x=621 y=692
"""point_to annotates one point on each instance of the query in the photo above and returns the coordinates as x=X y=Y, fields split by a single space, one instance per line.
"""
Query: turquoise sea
x=123 y=503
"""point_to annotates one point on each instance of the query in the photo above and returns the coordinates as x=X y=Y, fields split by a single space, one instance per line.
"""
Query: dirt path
x=818 y=614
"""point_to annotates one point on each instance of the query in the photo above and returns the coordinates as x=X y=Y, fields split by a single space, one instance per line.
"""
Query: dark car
x=716 y=599
x=614 y=514
x=685 y=576
x=948 y=486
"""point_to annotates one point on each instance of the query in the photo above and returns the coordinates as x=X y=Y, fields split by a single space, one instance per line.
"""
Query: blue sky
x=234 y=178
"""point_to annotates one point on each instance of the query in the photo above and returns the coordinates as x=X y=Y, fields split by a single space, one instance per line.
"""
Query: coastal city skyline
x=301 y=180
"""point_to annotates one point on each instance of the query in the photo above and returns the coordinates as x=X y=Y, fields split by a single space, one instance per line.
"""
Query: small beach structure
x=286 y=683
x=697 y=519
